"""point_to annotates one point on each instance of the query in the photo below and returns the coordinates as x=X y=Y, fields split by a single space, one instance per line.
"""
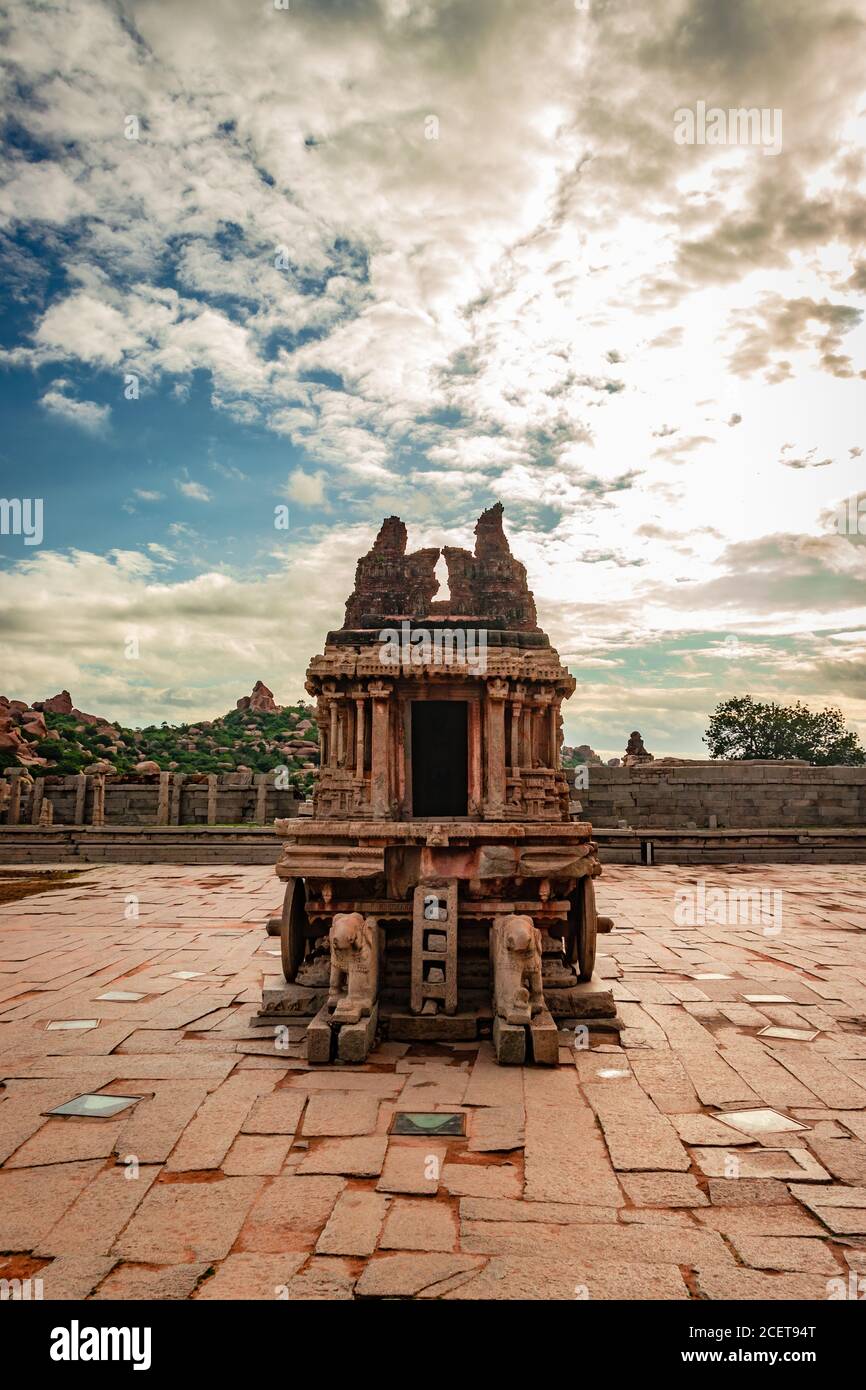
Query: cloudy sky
x=356 y=257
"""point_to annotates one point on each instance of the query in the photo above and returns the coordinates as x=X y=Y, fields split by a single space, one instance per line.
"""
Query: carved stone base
x=589 y=999
x=355 y=1040
x=537 y=1041
x=509 y=1042
x=544 y=1039
x=320 y=1038
x=327 y=1038
x=440 y=1028
x=291 y=1000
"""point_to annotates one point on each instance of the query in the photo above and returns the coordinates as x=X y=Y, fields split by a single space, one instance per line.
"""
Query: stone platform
x=283 y=1003
x=189 y=844
x=624 y=1172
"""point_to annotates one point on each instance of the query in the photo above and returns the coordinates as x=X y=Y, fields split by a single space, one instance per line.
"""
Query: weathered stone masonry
x=740 y=795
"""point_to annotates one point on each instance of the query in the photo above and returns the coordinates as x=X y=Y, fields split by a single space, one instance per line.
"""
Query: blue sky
x=154 y=445
x=375 y=256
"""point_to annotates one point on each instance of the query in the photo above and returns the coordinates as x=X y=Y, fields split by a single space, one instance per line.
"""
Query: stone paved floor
x=242 y=1173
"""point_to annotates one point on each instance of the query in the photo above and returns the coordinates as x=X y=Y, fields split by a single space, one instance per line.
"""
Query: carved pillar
x=359 y=737
x=401 y=755
x=98 y=816
x=544 y=740
x=475 y=791
x=178 y=780
x=80 y=798
x=320 y=725
x=332 y=740
x=380 y=779
x=261 y=798
x=516 y=712
x=36 y=803
x=163 y=798
x=343 y=733
x=211 y=798
x=14 y=812
x=555 y=761
x=536 y=714
x=526 y=736
x=497 y=690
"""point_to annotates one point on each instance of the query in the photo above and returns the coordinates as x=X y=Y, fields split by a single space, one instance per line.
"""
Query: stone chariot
x=441 y=890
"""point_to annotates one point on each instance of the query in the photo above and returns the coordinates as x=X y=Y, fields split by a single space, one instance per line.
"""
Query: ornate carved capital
x=497 y=689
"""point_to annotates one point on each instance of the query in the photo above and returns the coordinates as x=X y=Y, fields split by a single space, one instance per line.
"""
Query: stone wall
x=653 y=796
x=260 y=844
x=167 y=798
x=721 y=795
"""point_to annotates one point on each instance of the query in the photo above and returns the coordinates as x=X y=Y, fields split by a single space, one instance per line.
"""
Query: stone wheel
x=582 y=929
x=293 y=927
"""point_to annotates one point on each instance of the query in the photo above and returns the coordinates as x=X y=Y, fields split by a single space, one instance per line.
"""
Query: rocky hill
x=574 y=757
x=52 y=736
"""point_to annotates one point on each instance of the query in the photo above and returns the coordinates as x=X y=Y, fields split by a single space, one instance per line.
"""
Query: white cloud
x=197 y=491
x=306 y=488
x=228 y=470
x=161 y=552
x=88 y=415
x=413 y=271
x=203 y=641
x=575 y=335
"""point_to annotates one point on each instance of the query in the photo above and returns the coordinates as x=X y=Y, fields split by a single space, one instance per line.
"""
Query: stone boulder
x=261 y=701
x=148 y=765
x=31 y=759
x=58 y=704
x=585 y=754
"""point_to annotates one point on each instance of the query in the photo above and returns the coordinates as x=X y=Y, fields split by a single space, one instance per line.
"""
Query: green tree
x=745 y=728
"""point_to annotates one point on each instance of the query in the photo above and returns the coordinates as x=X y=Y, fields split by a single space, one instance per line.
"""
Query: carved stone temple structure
x=440 y=891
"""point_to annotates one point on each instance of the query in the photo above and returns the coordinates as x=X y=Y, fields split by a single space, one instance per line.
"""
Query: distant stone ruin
x=635 y=752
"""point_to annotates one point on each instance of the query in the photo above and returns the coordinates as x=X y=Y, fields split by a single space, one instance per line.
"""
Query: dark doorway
x=439 y=758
